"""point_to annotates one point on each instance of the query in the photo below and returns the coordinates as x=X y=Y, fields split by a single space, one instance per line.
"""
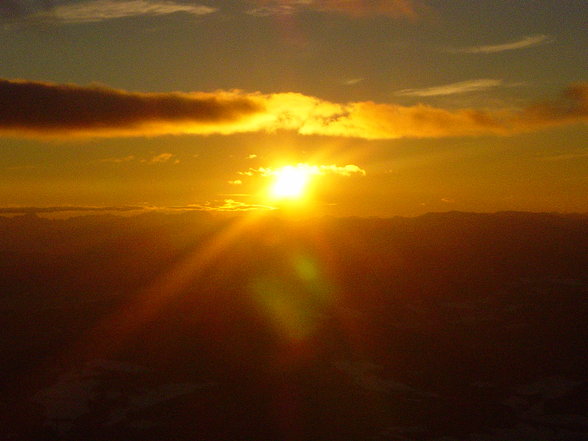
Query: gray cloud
x=50 y=109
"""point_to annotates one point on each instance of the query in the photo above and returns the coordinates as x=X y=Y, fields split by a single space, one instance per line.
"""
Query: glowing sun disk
x=290 y=182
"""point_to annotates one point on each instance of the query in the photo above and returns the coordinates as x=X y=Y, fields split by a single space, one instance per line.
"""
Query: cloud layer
x=46 y=109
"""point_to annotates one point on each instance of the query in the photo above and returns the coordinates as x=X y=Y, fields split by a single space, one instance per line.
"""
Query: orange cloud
x=369 y=120
x=47 y=109
x=570 y=108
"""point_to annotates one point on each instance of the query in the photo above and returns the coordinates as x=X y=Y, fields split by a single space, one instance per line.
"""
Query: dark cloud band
x=46 y=109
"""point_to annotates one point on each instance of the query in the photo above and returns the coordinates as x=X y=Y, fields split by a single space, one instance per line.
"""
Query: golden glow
x=290 y=182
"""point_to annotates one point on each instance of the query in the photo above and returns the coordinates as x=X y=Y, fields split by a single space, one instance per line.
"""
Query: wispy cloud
x=47 y=109
x=97 y=10
x=272 y=10
x=161 y=158
x=523 y=43
x=352 y=81
x=356 y=8
x=453 y=88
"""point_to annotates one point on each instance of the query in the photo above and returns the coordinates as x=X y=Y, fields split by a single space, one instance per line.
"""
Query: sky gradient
x=398 y=107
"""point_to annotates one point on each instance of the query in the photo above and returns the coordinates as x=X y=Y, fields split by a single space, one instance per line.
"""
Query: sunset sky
x=389 y=107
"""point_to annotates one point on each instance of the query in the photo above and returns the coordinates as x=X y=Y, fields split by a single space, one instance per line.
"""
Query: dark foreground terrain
x=446 y=327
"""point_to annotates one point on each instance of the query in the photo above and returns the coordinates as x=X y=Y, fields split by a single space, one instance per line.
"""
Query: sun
x=290 y=182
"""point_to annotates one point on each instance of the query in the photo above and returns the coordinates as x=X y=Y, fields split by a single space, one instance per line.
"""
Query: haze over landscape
x=294 y=220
